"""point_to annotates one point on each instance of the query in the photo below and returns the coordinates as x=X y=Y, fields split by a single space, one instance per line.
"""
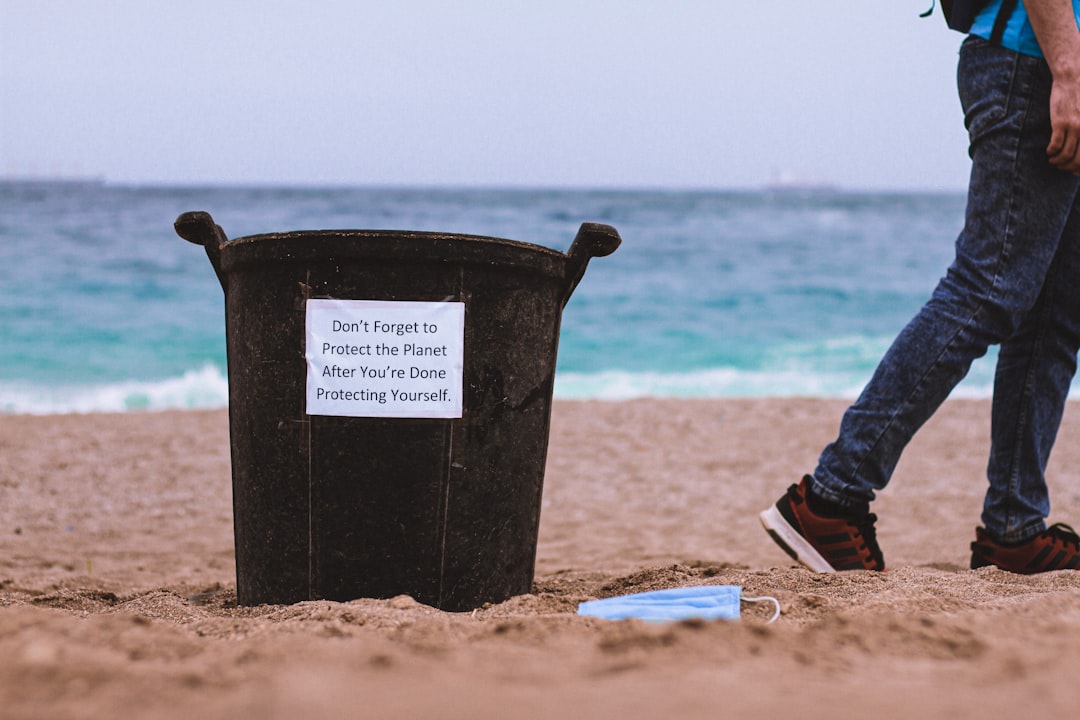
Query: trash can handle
x=593 y=240
x=199 y=228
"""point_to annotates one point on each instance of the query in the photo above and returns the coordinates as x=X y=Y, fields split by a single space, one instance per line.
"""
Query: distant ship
x=791 y=183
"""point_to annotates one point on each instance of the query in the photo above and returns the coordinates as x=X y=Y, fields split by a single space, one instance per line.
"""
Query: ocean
x=712 y=294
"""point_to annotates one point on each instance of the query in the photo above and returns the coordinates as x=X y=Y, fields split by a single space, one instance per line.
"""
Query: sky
x=679 y=94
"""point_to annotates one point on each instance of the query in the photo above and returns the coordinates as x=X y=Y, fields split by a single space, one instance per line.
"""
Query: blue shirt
x=1019 y=35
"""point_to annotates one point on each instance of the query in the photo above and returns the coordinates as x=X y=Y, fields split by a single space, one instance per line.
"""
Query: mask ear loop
x=766 y=598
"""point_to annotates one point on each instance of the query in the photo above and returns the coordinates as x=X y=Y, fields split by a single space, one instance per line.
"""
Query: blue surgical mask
x=709 y=602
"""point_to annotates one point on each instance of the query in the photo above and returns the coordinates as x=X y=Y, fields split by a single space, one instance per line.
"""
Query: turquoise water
x=103 y=307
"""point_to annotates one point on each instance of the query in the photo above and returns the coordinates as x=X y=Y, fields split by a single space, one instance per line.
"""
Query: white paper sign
x=375 y=358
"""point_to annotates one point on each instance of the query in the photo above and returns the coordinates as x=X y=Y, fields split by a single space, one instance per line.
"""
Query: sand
x=117 y=586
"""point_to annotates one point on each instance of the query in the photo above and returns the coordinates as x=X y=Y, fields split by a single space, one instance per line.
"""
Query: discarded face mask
x=709 y=602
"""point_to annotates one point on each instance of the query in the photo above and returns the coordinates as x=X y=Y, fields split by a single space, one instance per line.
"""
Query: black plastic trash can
x=389 y=407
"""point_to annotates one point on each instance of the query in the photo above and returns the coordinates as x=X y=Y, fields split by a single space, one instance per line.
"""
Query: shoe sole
x=792 y=542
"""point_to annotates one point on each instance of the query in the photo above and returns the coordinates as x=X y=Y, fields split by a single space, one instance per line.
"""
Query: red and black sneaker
x=826 y=542
x=1055 y=548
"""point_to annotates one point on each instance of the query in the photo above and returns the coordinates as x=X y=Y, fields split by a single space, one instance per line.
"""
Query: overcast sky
x=546 y=93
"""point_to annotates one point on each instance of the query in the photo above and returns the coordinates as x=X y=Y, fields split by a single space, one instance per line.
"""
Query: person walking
x=1014 y=282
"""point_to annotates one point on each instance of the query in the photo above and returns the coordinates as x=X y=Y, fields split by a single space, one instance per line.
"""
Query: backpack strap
x=1002 y=20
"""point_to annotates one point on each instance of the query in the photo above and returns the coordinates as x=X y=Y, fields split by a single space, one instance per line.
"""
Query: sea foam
x=203 y=388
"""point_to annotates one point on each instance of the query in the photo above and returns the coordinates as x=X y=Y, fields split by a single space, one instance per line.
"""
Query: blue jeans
x=1015 y=281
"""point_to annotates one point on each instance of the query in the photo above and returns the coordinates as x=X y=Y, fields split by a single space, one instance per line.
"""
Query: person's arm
x=1054 y=23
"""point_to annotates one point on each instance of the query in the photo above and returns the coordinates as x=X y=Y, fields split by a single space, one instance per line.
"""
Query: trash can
x=389 y=407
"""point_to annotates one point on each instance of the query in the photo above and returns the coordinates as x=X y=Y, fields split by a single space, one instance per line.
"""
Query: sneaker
x=822 y=542
x=1055 y=548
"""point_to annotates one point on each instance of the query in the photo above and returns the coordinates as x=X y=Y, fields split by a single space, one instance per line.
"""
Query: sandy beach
x=117 y=584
